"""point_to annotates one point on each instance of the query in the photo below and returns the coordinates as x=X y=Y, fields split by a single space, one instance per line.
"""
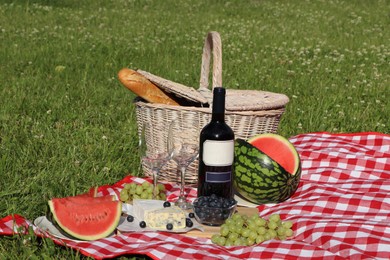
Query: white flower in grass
x=60 y=68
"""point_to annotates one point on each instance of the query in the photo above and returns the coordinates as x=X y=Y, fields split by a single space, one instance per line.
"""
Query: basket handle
x=212 y=44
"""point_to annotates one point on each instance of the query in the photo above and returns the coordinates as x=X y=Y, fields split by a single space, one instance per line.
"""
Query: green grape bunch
x=241 y=230
x=141 y=191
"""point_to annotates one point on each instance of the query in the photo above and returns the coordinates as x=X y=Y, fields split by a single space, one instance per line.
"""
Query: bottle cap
x=219 y=90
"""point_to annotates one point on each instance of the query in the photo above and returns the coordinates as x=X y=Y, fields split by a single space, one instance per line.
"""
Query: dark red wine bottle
x=216 y=152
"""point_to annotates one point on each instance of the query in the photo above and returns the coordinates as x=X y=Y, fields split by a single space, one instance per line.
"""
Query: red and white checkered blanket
x=341 y=210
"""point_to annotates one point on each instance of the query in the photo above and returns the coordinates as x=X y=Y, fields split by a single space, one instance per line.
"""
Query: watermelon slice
x=278 y=149
x=91 y=219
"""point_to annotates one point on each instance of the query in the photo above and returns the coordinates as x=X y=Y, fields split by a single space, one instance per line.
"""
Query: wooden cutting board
x=209 y=230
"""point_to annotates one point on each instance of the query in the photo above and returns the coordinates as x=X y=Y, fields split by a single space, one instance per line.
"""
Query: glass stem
x=155 y=191
x=183 y=181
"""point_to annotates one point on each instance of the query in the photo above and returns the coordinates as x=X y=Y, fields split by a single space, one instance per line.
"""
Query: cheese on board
x=156 y=216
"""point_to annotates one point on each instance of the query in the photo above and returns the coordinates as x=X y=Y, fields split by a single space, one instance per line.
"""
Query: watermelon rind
x=66 y=215
x=259 y=179
x=49 y=216
x=285 y=141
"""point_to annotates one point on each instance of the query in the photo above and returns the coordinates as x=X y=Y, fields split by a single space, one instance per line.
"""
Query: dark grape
x=166 y=204
x=130 y=218
x=191 y=215
x=169 y=226
x=189 y=222
x=142 y=224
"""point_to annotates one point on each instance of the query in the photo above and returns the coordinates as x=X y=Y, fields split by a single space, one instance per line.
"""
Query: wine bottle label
x=218 y=177
x=218 y=153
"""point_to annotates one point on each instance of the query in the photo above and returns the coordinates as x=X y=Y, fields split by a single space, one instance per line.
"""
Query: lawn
x=66 y=123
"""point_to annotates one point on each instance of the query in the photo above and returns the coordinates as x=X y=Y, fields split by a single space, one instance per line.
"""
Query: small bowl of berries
x=213 y=210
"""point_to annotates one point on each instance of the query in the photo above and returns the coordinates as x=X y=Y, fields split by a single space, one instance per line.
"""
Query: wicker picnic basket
x=248 y=112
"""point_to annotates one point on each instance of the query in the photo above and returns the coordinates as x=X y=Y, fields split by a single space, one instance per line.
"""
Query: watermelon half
x=85 y=219
x=267 y=169
x=278 y=149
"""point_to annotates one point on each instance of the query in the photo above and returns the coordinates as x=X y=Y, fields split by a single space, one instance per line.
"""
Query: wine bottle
x=216 y=152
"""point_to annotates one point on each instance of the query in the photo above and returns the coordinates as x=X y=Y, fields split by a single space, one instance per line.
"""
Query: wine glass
x=183 y=142
x=152 y=157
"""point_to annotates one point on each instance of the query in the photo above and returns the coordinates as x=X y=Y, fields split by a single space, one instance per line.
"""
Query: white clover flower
x=60 y=68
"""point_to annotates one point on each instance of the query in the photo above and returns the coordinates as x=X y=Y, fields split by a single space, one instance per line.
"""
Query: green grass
x=66 y=123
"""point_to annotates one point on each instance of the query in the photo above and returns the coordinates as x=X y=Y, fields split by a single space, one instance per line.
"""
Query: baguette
x=143 y=88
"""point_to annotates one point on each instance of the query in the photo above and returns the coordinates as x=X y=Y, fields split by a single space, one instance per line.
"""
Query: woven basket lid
x=175 y=88
x=249 y=100
x=245 y=100
x=236 y=100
